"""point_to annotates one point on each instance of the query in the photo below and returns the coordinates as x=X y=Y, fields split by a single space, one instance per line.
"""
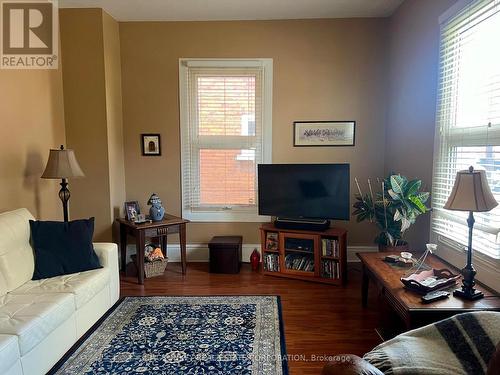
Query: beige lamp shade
x=471 y=192
x=62 y=164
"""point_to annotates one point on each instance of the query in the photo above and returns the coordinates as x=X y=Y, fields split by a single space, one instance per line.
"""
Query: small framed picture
x=151 y=145
x=323 y=133
x=272 y=241
x=132 y=211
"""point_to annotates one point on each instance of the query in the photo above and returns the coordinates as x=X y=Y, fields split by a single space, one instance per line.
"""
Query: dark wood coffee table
x=407 y=304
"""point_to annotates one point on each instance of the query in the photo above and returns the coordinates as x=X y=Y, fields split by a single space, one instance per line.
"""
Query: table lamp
x=472 y=193
x=62 y=165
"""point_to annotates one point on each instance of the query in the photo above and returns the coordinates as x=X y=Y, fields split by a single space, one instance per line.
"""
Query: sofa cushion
x=16 y=254
x=31 y=317
x=63 y=248
x=9 y=352
x=83 y=285
x=3 y=284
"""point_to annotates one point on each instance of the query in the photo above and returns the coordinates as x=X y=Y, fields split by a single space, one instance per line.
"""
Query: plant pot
x=398 y=248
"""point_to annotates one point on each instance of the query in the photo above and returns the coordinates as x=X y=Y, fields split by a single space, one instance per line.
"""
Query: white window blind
x=468 y=121
x=224 y=135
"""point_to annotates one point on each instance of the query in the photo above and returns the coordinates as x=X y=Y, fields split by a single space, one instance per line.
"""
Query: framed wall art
x=323 y=133
x=150 y=144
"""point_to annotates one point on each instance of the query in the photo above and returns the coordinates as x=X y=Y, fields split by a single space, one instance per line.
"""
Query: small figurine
x=156 y=212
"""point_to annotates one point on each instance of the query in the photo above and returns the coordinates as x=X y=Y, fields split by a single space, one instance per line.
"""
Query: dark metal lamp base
x=468 y=295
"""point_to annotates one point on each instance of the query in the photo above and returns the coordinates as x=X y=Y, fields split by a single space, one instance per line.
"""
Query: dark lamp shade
x=62 y=164
x=471 y=192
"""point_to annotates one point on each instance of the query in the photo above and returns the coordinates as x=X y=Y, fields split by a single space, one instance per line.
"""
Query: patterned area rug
x=183 y=335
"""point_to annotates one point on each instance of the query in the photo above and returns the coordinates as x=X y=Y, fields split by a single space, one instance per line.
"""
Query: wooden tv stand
x=305 y=255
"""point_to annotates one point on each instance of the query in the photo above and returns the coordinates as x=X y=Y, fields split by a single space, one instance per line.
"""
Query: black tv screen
x=313 y=191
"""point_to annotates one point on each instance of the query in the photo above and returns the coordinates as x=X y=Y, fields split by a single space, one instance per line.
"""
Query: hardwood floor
x=320 y=320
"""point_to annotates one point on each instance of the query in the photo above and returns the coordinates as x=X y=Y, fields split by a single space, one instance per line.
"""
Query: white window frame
x=449 y=249
x=227 y=215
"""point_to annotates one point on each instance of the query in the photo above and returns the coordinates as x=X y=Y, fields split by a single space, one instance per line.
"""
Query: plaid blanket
x=463 y=344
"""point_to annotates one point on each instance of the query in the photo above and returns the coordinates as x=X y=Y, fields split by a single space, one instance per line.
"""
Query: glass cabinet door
x=298 y=253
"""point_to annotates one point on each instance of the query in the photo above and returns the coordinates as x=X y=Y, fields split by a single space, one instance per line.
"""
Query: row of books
x=271 y=262
x=330 y=247
x=330 y=269
x=299 y=262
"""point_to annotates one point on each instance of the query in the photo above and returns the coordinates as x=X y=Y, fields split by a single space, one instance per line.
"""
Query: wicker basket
x=155 y=268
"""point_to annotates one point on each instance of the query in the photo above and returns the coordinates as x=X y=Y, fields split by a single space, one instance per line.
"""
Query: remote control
x=435 y=296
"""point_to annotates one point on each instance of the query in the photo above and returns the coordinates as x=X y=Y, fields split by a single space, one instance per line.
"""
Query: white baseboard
x=198 y=252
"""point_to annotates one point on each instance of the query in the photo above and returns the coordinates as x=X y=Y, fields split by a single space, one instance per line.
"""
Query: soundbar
x=301 y=224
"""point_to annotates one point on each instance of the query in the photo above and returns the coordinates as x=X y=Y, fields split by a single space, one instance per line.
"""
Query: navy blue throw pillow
x=63 y=248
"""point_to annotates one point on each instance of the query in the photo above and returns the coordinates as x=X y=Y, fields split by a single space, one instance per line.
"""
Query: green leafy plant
x=393 y=209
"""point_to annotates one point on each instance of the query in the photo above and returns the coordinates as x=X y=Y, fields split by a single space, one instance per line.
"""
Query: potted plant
x=393 y=209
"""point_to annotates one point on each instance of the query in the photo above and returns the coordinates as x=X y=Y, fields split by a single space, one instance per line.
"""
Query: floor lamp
x=62 y=165
x=472 y=193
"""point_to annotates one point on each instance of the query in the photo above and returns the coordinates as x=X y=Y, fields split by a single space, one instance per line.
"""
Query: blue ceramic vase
x=156 y=212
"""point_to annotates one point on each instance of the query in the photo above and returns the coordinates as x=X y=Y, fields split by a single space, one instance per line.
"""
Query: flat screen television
x=304 y=191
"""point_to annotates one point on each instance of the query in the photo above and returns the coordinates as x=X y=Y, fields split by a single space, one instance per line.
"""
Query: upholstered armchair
x=464 y=344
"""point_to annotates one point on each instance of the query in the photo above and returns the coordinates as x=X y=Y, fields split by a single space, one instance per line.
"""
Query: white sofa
x=40 y=320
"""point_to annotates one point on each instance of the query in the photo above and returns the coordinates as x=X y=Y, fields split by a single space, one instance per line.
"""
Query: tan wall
x=112 y=66
x=92 y=99
x=413 y=61
x=85 y=114
x=32 y=122
x=323 y=70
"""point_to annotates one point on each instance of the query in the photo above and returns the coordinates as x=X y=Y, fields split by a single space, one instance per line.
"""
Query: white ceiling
x=211 y=10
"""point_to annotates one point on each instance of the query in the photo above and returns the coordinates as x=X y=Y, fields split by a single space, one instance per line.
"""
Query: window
x=468 y=121
x=225 y=133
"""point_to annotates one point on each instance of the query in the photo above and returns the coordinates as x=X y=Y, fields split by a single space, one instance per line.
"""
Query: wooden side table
x=157 y=229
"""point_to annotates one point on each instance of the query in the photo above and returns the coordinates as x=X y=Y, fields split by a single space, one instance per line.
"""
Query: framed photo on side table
x=150 y=144
x=132 y=210
x=323 y=133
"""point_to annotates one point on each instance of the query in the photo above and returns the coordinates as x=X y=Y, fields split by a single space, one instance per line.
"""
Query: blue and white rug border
x=75 y=348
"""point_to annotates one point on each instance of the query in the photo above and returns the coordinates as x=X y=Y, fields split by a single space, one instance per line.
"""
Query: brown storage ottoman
x=225 y=254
